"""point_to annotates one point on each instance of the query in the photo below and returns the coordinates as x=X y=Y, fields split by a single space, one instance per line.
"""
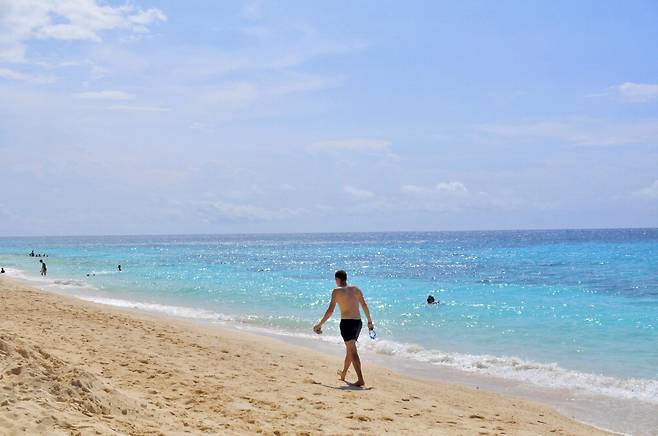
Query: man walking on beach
x=44 y=270
x=349 y=298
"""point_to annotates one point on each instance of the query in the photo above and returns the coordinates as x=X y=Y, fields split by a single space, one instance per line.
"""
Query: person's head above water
x=430 y=299
x=341 y=278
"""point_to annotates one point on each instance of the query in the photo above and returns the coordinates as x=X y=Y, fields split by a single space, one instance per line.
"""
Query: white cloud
x=226 y=211
x=6 y=73
x=252 y=10
x=149 y=16
x=585 y=131
x=454 y=196
x=234 y=94
x=352 y=145
x=9 y=74
x=275 y=49
x=246 y=93
x=104 y=95
x=24 y=20
x=303 y=83
x=650 y=191
x=637 y=92
x=130 y=108
x=452 y=187
x=413 y=189
x=358 y=193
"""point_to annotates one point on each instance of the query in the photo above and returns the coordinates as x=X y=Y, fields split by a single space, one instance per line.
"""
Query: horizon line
x=539 y=229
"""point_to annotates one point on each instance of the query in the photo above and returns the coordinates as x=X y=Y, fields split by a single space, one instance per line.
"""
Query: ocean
x=568 y=312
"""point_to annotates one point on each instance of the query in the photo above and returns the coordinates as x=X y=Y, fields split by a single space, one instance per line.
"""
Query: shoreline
x=571 y=398
x=297 y=375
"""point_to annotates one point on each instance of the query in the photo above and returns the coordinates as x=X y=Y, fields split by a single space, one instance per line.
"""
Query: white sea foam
x=47 y=281
x=547 y=375
x=71 y=282
x=178 y=311
x=104 y=273
x=21 y=275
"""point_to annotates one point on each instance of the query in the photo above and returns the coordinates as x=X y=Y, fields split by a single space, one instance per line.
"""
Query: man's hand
x=317 y=328
x=370 y=325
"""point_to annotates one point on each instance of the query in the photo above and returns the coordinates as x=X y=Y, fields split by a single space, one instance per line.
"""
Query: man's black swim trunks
x=350 y=329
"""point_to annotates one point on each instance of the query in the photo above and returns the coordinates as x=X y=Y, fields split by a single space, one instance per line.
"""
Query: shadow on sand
x=347 y=387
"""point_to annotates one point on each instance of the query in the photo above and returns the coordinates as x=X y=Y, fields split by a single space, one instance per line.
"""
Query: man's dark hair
x=340 y=274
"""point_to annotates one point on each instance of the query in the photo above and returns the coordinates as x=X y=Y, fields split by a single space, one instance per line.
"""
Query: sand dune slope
x=67 y=367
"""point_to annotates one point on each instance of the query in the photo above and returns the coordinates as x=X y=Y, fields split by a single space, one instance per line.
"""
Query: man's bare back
x=348 y=299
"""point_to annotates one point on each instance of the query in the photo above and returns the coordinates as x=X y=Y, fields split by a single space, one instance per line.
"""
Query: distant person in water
x=44 y=269
x=119 y=267
x=32 y=253
x=349 y=298
x=2 y=270
x=431 y=300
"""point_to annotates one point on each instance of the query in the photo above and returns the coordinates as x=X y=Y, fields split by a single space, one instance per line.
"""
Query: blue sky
x=248 y=116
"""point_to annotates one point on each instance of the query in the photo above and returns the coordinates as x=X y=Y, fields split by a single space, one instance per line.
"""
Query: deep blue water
x=557 y=308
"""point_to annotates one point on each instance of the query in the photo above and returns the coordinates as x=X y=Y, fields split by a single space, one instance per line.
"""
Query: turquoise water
x=576 y=308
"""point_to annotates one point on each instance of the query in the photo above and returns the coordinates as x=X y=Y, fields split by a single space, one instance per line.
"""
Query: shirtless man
x=348 y=298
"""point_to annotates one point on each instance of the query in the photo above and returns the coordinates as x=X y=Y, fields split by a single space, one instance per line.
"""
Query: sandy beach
x=76 y=368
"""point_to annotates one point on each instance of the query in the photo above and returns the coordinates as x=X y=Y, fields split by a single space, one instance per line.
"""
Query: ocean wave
x=103 y=272
x=546 y=375
x=178 y=311
x=42 y=281
x=71 y=282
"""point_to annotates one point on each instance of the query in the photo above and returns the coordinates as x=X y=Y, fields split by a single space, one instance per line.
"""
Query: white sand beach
x=76 y=368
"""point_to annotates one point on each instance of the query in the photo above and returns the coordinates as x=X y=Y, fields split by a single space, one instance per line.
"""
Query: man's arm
x=328 y=313
x=366 y=310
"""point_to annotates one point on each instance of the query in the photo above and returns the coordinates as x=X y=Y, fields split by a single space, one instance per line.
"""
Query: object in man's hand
x=317 y=329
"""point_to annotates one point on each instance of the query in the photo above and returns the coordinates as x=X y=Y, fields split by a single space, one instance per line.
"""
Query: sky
x=172 y=117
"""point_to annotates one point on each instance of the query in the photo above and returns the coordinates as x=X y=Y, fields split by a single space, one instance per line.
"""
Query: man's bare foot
x=340 y=374
x=359 y=383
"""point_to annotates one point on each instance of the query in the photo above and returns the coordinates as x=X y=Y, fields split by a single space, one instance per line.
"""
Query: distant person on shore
x=349 y=298
x=2 y=270
x=44 y=269
x=431 y=300
x=119 y=268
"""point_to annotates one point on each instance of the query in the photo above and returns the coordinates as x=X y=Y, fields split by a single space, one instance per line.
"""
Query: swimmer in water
x=431 y=300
